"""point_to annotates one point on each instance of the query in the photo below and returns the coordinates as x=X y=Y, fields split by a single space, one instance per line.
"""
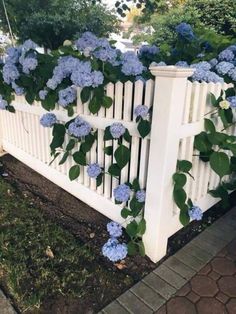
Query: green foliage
x=51 y=22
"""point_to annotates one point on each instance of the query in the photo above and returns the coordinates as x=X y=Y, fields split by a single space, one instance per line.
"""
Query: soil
x=89 y=226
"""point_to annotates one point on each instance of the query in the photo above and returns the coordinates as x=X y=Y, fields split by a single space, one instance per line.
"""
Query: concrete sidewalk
x=199 y=278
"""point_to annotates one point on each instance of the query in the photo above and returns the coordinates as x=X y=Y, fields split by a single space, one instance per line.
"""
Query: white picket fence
x=179 y=107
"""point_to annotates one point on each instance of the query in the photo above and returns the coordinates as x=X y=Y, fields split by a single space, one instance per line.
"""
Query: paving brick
x=231 y=306
x=210 y=306
x=148 y=296
x=191 y=261
x=184 y=290
x=193 y=297
x=180 y=305
x=222 y=298
x=180 y=268
x=116 y=308
x=227 y=285
x=209 y=243
x=159 y=285
x=204 y=286
x=223 y=266
x=222 y=231
x=170 y=276
x=213 y=275
x=198 y=252
x=133 y=304
x=205 y=270
x=162 y=310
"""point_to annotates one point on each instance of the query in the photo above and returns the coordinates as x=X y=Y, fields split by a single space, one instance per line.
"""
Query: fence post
x=168 y=105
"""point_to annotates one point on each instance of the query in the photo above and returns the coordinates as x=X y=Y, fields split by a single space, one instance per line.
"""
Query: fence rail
x=179 y=107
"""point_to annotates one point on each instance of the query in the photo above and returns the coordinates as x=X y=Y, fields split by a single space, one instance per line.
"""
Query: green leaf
x=88 y=143
x=214 y=101
x=132 y=229
x=99 y=179
x=233 y=164
x=219 y=162
x=70 y=111
x=221 y=192
x=29 y=96
x=94 y=105
x=114 y=170
x=11 y=109
x=70 y=145
x=180 y=197
x=80 y=158
x=107 y=134
x=57 y=141
x=184 y=165
x=58 y=130
x=217 y=138
x=180 y=179
x=64 y=158
x=209 y=126
x=136 y=185
x=202 y=143
x=205 y=157
x=226 y=116
x=125 y=212
x=141 y=248
x=132 y=248
x=107 y=102
x=135 y=206
x=122 y=156
x=230 y=92
x=127 y=136
x=144 y=128
x=74 y=172
x=108 y=150
x=184 y=216
x=141 y=226
x=85 y=94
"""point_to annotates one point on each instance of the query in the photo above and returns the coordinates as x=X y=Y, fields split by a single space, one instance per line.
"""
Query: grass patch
x=26 y=269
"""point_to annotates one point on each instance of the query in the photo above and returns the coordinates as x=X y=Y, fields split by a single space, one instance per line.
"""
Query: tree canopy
x=50 y=22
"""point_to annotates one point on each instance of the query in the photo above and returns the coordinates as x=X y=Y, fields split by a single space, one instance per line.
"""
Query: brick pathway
x=199 y=278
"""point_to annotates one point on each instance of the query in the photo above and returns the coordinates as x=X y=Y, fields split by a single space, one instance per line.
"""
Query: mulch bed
x=89 y=227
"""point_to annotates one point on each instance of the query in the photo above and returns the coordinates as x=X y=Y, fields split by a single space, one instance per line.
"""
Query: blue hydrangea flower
x=147 y=50
x=3 y=103
x=48 y=120
x=122 y=193
x=226 y=55
x=52 y=84
x=202 y=65
x=182 y=64
x=114 y=229
x=94 y=170
x=131 y=64
x=159 y=64
x=87 y=41
x=224 y=67
x=42 y=94
x=97 y=78
x=67 y=96
x=141 y=196
x=185 y=31
x=117 y=130
x=141 y=111
x=10 y=73
x=232 y=101
x=29 y=45
x=114 y=251
x=213 y=62
x=232 y=48
x=195 y=213
x=29 y=64
x=79 y=128
x=232 y=74
x=18 y=90
x=13 y=55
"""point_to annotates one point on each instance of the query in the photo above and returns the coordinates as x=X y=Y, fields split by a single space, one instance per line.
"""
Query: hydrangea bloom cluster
x=114 y=250
x=226 y=55
x=232 y=101
x=79 y=128
x=114 y=229
x=94 y=170
x=117 y=130
x=185 y=31
x=141 y=196
x=67 y=96
x=141 y=111
x=131 y=65
x=182 y=64
x=3 y=103
x=48 y=120
x=147 y=50
x=122 y=193
x=224 y=67
x=43 y=94
x=18 y=90
x=195 y=213
x=80 y=73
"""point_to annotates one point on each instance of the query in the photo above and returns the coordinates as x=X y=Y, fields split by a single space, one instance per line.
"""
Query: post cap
x=171 y=71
